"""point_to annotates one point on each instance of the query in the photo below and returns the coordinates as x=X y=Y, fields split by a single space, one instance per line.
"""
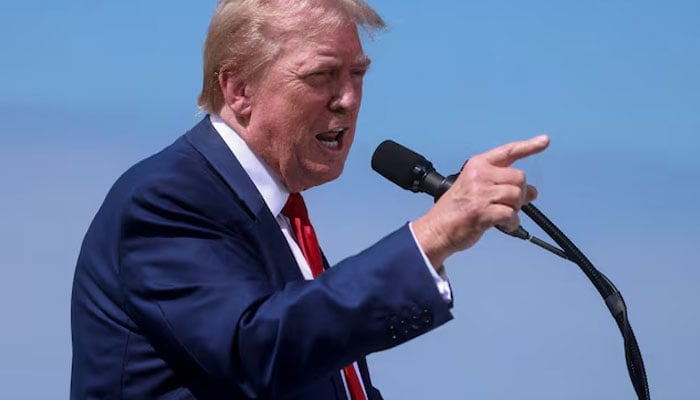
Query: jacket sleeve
x=199 y=291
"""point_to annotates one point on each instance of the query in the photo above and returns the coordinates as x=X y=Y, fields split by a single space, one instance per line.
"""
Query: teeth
x=331 y=144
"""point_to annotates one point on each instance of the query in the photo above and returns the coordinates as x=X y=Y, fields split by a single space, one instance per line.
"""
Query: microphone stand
x=608 y=291
x=611 y=295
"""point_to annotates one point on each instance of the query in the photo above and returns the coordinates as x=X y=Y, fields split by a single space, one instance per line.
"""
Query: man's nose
x=347 y=96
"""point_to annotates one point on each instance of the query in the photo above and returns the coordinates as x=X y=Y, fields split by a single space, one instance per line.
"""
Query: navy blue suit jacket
x=185 y=288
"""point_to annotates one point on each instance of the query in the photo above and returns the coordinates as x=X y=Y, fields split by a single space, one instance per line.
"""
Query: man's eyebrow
x=362 y=61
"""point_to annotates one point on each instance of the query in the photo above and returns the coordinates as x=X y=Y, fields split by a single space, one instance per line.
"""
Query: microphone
x=409 y=169
x=413 y=172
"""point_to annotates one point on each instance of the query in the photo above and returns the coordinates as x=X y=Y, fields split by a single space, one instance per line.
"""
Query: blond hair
x=245 y=36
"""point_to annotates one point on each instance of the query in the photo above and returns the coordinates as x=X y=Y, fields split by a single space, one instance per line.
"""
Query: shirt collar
x=268 y=184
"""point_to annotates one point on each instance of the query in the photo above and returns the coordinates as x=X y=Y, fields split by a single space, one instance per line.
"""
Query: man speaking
x=201 y=277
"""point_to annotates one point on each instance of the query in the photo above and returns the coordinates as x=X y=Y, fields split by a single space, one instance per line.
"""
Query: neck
x=241 y=127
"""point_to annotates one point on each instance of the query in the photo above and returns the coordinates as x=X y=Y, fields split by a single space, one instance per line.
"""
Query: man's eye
x=318 y=77
x=318 y=74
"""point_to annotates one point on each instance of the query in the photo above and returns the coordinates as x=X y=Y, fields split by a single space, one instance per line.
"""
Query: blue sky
x=89 y=88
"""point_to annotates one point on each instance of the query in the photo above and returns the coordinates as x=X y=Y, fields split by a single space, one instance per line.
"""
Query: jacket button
x=427 y=317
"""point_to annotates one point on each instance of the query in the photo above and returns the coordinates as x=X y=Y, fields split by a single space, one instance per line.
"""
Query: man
x=195 y=281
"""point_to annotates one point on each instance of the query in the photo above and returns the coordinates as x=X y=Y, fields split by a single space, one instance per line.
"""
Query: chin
x=317 y=178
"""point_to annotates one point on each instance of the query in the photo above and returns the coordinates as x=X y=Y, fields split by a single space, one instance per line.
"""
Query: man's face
x=304 y=108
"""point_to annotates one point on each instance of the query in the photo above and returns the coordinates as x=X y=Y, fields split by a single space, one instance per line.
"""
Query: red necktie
x=295 y=210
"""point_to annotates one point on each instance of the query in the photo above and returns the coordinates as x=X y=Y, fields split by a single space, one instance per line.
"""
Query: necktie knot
x=296 y=208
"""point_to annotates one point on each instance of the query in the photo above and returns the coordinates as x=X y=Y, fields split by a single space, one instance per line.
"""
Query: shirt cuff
x=443 y=284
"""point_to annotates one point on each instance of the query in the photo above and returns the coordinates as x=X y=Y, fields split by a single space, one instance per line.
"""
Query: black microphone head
x=400 y=165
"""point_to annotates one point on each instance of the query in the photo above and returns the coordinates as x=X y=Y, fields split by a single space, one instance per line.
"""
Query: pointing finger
x=504 y=156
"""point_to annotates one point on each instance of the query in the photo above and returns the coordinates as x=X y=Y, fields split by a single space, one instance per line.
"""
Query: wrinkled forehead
x=336 y=47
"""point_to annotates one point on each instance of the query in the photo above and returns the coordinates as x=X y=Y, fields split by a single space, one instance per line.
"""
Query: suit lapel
x=340 y=392
x=277 y=256
x=204 y=138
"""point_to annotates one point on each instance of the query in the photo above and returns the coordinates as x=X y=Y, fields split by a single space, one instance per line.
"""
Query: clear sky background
x=87 y=88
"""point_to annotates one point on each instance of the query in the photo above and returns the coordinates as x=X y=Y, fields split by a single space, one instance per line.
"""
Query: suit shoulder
x=178 y=179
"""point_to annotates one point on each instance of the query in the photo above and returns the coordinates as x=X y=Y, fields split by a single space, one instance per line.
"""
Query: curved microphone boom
x=413 y=172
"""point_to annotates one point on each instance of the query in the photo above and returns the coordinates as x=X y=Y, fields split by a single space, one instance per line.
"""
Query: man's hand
x=488 y=192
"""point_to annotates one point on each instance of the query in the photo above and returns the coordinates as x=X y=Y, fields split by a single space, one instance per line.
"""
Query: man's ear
x=237 y=94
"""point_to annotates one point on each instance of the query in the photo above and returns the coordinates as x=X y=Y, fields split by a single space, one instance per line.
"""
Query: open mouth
x=333 y=138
